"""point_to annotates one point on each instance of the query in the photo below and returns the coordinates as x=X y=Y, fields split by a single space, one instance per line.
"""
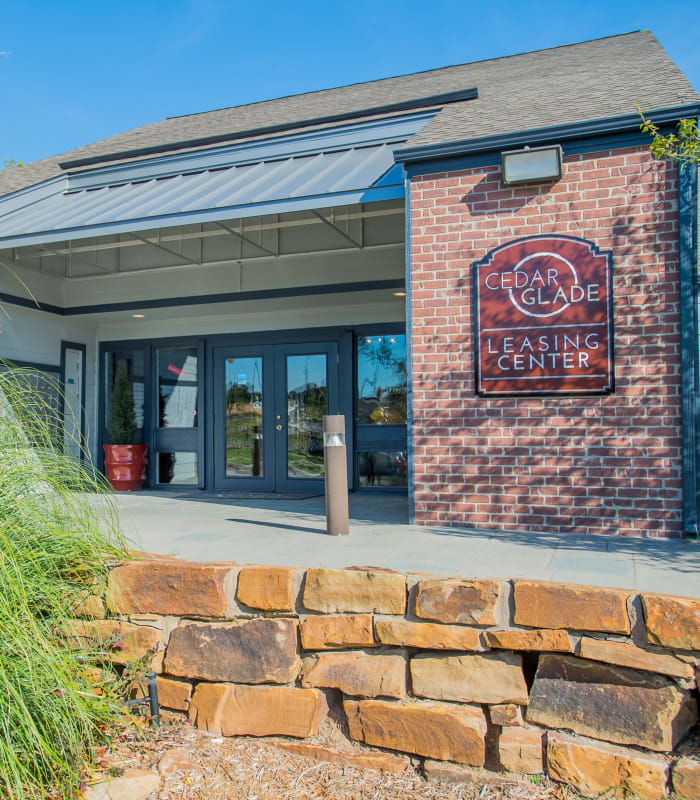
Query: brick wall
x=609 y=464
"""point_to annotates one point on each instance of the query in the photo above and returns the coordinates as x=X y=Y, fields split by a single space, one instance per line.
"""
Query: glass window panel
x=307 y=402
x=177 y=387
x=381 y=380
x=177 y=468
x=244 y=417
x=41 y=393
x=383 y=468
x=134 y=368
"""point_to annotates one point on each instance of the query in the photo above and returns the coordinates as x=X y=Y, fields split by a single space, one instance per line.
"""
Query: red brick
x=602 y=464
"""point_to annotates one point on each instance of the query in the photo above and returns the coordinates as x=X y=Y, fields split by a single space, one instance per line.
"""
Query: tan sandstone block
x=324 y=632
x=258 y=650
x=616 y=704
x=348 y=590
x=134 y=784
x=89 y=606
x=446 y=772
x=506 y=714
x=266 y=588
x=174 y=694
x=433 y=730
x=232 y=710
x=178 y=588
x=543 y=640
x=176 y=760
x=207 y=705
x=520 y=749
x=487 y=678
x=121 y=640
x=598 y=768
x=539 y=604
x=382 y=761
x=628 y=655
x=686 y=778
x=426 y=635
x=672 y=621
x=357 y=674
x=472 y=602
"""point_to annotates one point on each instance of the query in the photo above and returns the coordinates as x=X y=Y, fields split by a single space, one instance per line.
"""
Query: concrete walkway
x=291 y=532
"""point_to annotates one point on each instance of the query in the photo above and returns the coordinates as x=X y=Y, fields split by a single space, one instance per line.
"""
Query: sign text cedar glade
x=544 y=318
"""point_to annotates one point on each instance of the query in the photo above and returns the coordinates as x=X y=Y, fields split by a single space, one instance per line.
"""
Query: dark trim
x=208 y=299
x=35 y=305
x=388 y=108
x=578 y=146
x=542 y=135
x=688 y=237
x=32 y=365
x=410 y=446
x=66 y=345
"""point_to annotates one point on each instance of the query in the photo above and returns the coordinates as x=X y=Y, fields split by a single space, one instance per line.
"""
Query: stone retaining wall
x=596 y=687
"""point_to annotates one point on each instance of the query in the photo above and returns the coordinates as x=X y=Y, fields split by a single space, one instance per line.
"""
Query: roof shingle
x=568 y=84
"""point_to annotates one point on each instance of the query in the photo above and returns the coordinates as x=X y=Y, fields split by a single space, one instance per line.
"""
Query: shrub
x=122 y=429
x=55 y=537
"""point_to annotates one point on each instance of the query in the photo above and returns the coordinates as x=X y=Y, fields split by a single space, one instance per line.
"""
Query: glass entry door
x=269 y=407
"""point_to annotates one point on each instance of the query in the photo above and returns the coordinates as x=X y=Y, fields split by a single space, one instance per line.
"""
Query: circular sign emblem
x=544 y=285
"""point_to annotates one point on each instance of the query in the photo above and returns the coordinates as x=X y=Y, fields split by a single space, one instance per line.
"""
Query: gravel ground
x=245 y=768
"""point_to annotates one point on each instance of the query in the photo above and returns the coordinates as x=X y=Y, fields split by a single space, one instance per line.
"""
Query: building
x=517 y=351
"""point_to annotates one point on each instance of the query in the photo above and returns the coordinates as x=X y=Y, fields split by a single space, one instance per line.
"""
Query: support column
x=688 y=239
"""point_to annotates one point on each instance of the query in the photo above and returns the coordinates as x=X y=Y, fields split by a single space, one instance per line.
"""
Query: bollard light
x=336 y=469
x=531 y=164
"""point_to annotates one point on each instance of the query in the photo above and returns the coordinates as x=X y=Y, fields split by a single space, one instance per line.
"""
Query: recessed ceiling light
x=137 y=316
x=399 y=294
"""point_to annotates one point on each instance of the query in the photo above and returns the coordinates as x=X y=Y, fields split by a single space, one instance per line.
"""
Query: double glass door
x=268 y=415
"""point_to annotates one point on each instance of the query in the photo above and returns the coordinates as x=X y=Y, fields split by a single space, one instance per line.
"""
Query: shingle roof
x=573 y=83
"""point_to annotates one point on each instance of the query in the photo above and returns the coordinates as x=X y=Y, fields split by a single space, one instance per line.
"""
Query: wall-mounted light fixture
x=531 y=164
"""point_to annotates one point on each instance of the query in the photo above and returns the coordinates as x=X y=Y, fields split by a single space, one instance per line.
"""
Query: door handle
x=278 y=427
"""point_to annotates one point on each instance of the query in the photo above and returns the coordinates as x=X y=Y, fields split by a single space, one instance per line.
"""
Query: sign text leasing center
x=544 y=318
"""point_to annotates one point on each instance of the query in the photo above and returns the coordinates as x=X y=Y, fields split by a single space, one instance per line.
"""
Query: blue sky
x=75 y=72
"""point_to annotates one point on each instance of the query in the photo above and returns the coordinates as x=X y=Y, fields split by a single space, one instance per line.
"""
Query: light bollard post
x=335 y=462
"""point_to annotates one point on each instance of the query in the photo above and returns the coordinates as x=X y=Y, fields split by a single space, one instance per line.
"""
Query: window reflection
x=177 y=387
x=383 y=468
x=177 y=468
x=134 y=367
x=381 y=380
x=307 y=402
x=244 y=417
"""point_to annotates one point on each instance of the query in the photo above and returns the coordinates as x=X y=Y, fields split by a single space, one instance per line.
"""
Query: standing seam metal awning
x=336 y=175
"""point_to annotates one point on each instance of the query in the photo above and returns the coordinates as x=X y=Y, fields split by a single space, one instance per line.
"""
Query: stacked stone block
x=596 y=687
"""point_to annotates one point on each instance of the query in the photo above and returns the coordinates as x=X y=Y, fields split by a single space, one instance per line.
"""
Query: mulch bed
x=245 y=768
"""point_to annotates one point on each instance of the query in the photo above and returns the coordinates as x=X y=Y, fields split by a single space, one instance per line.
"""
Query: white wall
x=35 y=336
x=252 y=275
x=32 y=335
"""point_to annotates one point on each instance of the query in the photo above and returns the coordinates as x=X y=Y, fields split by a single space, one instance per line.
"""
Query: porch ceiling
x=324 y=177
x=360 y=227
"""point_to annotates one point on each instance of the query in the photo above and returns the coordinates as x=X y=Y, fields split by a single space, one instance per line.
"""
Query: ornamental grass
x=55 y=541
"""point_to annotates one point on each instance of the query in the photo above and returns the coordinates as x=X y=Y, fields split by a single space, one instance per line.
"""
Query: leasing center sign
x=544 y=318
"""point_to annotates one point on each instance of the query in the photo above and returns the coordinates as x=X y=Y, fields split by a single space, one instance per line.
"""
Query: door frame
x=65 y=346
x=275 y=442
x=166 y=439
x=283 y=483
x=343 y=336
x=217 y=455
